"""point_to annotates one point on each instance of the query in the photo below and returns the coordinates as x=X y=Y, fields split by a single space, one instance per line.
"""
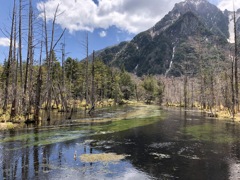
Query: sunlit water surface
x=165 y=144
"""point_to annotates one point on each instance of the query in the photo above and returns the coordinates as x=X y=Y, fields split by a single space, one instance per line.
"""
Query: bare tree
x=38 y=89
x=50 y=58
x=9 y=61
x=93 y=85
x=86 y=72
x=15 y=72
x=29 y=59
x=236 y=59
x=20 y=42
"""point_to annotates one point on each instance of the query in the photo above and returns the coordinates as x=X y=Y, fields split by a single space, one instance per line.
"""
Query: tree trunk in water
x=38 y=96
x=50 y=64
x=93 y=81
x=93 y=87
x=38 y=90
x=86 y=75
x=62 y=89
x=9 y=61
x=15 y=72
x=29 y=58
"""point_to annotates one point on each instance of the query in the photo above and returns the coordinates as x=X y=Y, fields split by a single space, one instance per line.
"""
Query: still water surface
x=163 y=144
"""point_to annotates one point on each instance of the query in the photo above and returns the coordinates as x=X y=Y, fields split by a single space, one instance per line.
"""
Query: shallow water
x=163 y=144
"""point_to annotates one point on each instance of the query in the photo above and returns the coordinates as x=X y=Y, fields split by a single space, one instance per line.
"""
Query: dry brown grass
x=104 y=157
x=6 y=126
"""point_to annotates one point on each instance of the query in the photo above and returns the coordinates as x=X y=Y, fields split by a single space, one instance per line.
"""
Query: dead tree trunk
x=62 y=88
x=50 y=63
x=29 y=58
x=232 y=88
x=93 y=80
x=93 y=86
x=212 y=93
x=15 y=72
x=20 y=43
x=86 y=74
x=9 y=61
x=236 y=61
x=38 y=90
x=50 y=58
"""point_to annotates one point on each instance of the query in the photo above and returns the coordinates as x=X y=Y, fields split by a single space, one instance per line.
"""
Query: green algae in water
x=209 y=132
x=40 y=135
x=46 y=140
x=122 y=125
x=64 y=134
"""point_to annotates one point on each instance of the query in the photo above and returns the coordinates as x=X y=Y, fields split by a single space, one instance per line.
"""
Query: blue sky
x=107 y=22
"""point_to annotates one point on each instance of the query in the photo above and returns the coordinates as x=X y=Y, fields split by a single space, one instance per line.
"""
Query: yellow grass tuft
x=104 y=157
x=7 y=126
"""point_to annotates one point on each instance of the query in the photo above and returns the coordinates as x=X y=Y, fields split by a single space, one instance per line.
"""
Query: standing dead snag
x=29 y=61
x=50 y=64
x=15 y=72
x=20 y=42
x=236 y=59
x=86 y=74
x=93 y=86
x=38 y=90
x=49 y=58
x=62 y=88
x=9 y=62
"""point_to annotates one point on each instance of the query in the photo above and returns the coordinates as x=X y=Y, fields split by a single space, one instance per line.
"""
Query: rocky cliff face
x=191 y=29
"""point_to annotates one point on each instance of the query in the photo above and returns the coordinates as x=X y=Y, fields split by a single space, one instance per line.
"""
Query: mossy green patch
x=117 y=126
x=210 y=133
x=44 y=138
x=148 y=115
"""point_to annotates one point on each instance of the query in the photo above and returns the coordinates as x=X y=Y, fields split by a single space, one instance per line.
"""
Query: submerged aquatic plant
x=149 y=115
x=104 y=157
x=209 y=132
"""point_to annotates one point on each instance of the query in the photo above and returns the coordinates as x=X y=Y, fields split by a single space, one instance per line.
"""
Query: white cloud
x=132 y=16
x=228 y=4
x=103 y=34
x=4 y=41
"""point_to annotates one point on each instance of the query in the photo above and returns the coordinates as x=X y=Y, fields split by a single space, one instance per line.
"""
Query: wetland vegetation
x=161 y=143
x=65 y=118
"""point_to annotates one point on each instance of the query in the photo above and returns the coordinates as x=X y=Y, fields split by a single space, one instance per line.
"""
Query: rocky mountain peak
x=173 y=38
x=209 y=14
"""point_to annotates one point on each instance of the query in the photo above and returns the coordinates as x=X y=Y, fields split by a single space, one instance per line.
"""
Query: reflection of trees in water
x=233 y=130
x=10 y=159
x=36 y=155
x=24 y=163
x=39 y=161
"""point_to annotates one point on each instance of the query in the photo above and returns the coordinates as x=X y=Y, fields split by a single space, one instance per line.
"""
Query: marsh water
x=157 y=144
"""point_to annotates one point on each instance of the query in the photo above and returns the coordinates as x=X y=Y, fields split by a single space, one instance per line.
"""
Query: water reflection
x=185 y=145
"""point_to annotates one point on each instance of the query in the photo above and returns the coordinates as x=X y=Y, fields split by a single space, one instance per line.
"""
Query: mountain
x=193 y=28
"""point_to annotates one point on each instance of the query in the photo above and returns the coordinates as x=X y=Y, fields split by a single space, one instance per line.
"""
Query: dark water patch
x=211 y=132
x=181 y=145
